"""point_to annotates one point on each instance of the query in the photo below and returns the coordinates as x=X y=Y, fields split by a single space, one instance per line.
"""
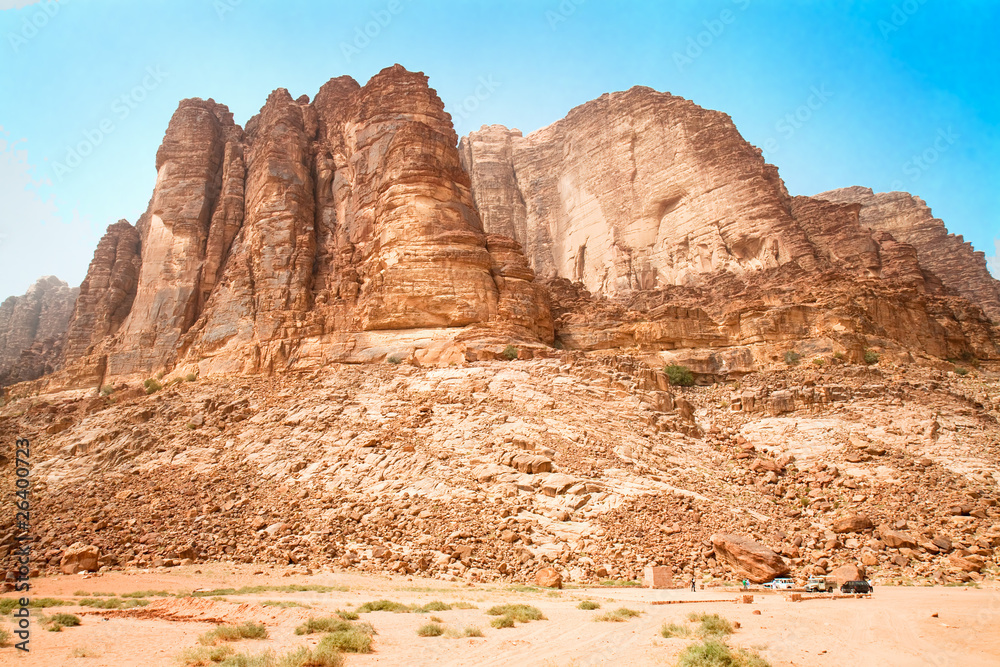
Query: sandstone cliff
x=355 y=227
x=338 y=229
x=635 y=190
x=678 y=235
x=910 y=220
x=31 y=330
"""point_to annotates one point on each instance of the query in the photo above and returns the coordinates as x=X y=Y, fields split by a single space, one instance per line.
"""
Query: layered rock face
x=909 y=220
x=195 y=211
x=105 y=299
x=355 y=227
x=674 y=233
x=635 y=190
x=31 y=330
x=280 y=245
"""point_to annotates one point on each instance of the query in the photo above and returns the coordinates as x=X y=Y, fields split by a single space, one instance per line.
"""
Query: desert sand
x=898 y=626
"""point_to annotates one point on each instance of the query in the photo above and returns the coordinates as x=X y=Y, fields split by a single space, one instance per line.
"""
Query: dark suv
x=856 y=587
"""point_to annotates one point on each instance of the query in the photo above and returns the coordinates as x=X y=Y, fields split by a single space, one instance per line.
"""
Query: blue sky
x=901 y=95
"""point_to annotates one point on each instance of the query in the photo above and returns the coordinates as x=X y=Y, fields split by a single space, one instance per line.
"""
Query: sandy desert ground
x=938 y=626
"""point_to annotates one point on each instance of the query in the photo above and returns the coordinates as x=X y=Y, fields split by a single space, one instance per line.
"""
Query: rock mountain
x=356 y=227
x=525 y=293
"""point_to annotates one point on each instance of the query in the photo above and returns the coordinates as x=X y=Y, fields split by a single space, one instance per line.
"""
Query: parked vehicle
x=780 y=584
x=856 y=587
x=821 y=585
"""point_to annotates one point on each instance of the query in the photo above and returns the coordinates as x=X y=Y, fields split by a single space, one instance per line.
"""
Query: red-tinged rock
x=854 y=523
x=80 y=557
x=32 y=328
x=897 y=539
x=615 y=195
x=749 y=558
x=548 y=577
x=949 y=257
x=849 y=572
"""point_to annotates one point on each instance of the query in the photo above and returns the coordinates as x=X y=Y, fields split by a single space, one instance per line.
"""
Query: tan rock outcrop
x=351 y=228
x=282 y=244
x=854 y=523
x=174 y=231
x=848 y=572
x=635 y=190
x=750 y=558
x=32 y=328
x=80 y=557
x=104 y=302
x=548 y=577
x=910 y=220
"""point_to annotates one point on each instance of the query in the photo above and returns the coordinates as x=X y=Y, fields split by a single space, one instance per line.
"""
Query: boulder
x=751 y=559
x=548 y=577
x=853 y=523
x=80 y=557
x=897 y=539
x=965 y=564
x=847 y=572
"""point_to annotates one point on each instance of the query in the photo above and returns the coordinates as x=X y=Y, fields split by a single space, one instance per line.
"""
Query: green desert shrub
x=588 y=605
x=714 y=653
x=711 y=625
x=152 y=386
x=321 y=656
x=521 y=613
x=384 y=605
x=354 y=639
x=621 y=583
x=326 y=624
x=502 y=622
x=510 y=353
x=871 y=357
x=430 y=630
x=679 y=376
x=65 y=620
x=671 y=630
x=619 y=615
x=146 y=594
x=7 y=605
x=204 y=656
x=792 y=358
x=57 y=622
x=113 y=603
x=233 y=633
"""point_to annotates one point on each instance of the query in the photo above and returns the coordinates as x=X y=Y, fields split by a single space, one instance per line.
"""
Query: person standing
x=693 y=589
